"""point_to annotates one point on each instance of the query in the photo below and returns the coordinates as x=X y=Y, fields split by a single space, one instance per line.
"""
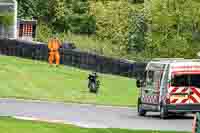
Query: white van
x=170 y=86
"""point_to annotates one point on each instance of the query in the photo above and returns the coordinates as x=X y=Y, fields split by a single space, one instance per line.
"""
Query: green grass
x=27 y=79
x=83 y=42
x=89 y=44
x=9 y=125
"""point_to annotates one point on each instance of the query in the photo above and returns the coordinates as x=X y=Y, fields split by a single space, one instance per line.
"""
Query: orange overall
x=54 y=45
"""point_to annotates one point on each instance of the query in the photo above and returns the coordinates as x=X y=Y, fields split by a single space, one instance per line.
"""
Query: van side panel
x=150 y=94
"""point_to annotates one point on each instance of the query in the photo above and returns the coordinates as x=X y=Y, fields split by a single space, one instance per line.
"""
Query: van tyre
x=163 y=113
x=141 y=111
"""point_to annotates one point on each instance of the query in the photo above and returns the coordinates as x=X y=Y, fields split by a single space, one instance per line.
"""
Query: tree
x=136 y=40
x=26 y=8
x=112 y=22
x=172 y=27
x=80 y=21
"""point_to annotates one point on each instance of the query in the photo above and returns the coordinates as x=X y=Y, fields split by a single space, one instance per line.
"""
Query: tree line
x=135 y=29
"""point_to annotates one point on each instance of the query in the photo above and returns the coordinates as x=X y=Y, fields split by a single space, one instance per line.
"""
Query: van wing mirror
x=139 y=83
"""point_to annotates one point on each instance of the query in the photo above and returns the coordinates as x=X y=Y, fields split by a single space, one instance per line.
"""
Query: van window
x=157 y=79
x=166 y=77
x=158 y=76
x=195 y=80
x=180 y=80
x=186 y=80
x=144 y=76
x=150 y=77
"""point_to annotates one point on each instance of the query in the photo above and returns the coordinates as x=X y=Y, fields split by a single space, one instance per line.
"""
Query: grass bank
x=9 y=125
x=27 y=79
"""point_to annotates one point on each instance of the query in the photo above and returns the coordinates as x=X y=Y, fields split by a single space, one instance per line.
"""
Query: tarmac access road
x=92 y=116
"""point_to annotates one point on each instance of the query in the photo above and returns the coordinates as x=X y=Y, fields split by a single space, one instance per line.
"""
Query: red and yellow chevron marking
x=173 y=90
x=195 y=97
x=185 y=99
x=177 y=99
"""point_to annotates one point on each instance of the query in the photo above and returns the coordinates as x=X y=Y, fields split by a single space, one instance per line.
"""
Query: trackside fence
x=73 y=57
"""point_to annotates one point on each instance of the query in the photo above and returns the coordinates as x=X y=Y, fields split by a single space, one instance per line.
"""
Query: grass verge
x=27 y=79
x=9 y=125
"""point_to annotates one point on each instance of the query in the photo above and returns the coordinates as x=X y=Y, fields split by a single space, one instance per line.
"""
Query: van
x=170 y=86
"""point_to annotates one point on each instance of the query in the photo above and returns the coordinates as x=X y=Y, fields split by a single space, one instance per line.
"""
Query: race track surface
x=93 y=116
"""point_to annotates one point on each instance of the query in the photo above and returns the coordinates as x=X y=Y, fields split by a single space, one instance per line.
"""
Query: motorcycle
x=93 y=83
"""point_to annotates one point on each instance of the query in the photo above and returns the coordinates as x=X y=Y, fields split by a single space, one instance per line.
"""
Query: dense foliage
x=130 y=28
x=175 y=28
x=6 y=19
x=62 y=15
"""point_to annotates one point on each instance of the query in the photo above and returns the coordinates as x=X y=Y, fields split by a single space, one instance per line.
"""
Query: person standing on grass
x=53 y=46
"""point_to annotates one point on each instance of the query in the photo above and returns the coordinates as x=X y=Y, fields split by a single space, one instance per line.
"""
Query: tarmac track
x=92 y=116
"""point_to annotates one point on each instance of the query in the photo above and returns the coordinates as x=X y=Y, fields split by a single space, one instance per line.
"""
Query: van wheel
x=141 y=111
x=183 y=114
x=163 y=113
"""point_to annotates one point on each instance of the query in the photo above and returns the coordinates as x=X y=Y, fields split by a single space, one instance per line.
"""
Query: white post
x=15 y=19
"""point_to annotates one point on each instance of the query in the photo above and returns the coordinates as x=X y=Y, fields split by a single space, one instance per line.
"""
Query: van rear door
x=179 y=89
x=185 y=88
x=194 y=94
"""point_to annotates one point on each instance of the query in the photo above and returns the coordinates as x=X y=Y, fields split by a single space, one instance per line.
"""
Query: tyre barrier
x=73 y=57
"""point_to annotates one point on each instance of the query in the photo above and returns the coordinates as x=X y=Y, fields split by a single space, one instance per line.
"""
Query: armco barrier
x=73 y=57
x=196 y=124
